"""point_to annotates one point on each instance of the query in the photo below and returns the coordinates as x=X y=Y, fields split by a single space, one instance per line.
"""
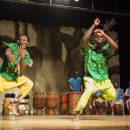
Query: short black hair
x=75 y=72
x=18 y=37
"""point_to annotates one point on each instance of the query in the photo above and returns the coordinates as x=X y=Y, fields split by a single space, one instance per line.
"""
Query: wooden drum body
x=51 y=102
x=63 y=103
x=118 y=108
x=73 y=98
x=39 y=102
x=100 y=107
x=129 y=106
x=6 y=107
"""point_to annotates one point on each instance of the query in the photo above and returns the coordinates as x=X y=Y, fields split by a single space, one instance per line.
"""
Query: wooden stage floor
x=87 y=122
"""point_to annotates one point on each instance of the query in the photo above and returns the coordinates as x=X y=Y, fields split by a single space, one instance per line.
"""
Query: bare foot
x=13 y=109
x=76 y=119
x=16 y=101
x=112 y=114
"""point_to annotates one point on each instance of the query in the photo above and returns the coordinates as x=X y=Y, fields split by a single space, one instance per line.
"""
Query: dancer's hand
x=96 y=22
x=21 y=51
x=17 y=69
x=99 y=32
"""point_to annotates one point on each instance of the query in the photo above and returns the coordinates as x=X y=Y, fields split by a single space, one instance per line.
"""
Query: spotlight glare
x=76 y=0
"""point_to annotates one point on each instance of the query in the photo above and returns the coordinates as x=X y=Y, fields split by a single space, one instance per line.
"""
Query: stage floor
x=87 y=122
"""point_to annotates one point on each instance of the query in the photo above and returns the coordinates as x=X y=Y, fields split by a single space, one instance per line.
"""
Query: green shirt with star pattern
x=96 y=63
x=7 y=69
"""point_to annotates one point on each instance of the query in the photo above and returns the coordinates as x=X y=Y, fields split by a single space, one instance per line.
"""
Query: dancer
x=15 y=61
x=97 y=48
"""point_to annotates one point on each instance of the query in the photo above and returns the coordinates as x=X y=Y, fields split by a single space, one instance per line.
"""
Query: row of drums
x=65 y=102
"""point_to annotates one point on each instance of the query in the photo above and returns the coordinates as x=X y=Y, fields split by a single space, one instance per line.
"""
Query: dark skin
x=23 y=43
x=100 y=38
x=126 y=92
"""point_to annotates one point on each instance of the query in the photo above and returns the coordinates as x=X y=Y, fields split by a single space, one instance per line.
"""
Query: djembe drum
x=9 y=98
x=73 y=98
x=23 y=106
x=39 y=102
x=118 y=108
x=51 y=102
x=63 y=103
x=129 y=106
x=100 y=107
x=6 y=107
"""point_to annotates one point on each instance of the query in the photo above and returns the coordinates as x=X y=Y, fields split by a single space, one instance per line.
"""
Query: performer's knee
x=1 y=91
x=30 y=83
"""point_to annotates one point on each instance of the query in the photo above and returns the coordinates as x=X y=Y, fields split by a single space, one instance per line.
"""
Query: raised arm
x=89 y=32
x=113 y=44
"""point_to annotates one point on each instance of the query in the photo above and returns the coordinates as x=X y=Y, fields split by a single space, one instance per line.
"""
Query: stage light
x=76 y=0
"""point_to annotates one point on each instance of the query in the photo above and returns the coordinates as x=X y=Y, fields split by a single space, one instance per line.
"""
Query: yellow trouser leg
x=89 y=88
x=25 y=89
x=108 y=89
x=22 y=82
x=92 y=86
x=109 y=94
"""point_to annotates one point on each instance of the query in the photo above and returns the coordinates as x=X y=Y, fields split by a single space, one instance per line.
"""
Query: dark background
x=78 y=14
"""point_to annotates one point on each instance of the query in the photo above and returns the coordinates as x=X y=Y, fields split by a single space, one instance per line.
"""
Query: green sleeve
x=107 y=52
x=12 y=46
x=83 y=51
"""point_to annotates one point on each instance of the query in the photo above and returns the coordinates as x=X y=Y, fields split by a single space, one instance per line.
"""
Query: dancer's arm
x=81 y=87
x=112 y=43
x=22 y=56
x=123 y=95
x=19 y=67
x=11 y=58
x=89 y=32
x=71 y=87
x=126 y=93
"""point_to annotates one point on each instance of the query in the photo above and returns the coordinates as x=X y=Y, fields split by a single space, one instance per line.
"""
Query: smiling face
x=23 y=41
x=98 y=41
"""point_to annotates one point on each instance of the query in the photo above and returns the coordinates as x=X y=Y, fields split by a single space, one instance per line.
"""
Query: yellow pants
x=22 y=82
x=92 y=86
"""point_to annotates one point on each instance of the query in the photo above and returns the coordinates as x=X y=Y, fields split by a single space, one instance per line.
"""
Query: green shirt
x=7 y=70
x=96 y=64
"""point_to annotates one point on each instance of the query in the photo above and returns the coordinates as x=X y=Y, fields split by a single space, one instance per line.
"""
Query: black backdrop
x=124 y=50
x=72 y=17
